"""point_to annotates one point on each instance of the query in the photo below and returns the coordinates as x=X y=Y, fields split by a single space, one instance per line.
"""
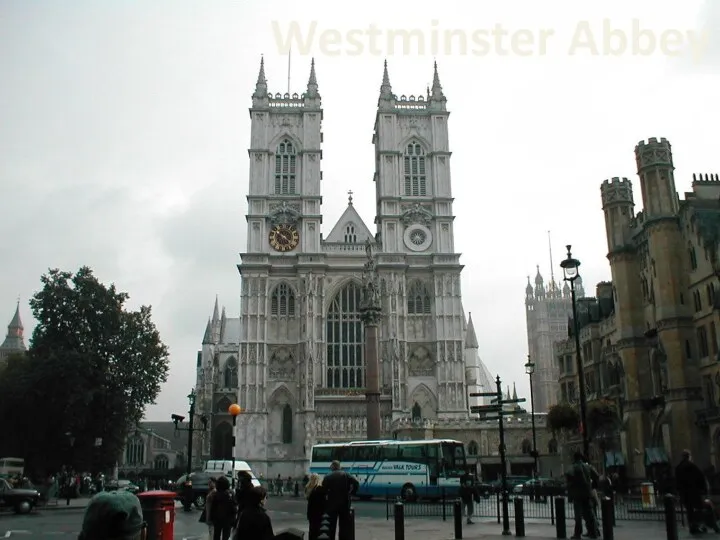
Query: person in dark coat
x=221 y=509
x=316 y=496
x=340 y=486
x=242 y=491
x=580 y=493
x=254 y=523
x=467 y=495
x=692 y=487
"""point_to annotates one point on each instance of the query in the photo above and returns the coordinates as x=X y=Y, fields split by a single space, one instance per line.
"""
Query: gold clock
x=284 y=237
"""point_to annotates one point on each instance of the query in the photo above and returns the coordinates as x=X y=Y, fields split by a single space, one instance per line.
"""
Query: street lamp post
x=191 y=429
x=570 y=268
x=530 y=370
x=234 y=410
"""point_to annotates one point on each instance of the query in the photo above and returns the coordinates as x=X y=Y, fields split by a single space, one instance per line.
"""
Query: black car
x=22 y=500
x=200 y=484
x=122 y=485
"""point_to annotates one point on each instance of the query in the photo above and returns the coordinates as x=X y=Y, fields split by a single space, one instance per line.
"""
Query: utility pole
x=177 y=419
x=496 y=406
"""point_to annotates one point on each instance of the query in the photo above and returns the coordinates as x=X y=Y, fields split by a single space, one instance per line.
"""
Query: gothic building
x=658 y=347
x=14 y=340
x=294 y=359
x=547 y=309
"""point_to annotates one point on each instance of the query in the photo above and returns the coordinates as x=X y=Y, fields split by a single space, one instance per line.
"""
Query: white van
x=225 y=466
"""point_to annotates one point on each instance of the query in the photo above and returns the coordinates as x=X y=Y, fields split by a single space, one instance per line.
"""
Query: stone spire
x=207 y=338
x=312 y=85
x=261 y=88
x=514 y=394
x=437 y=98
x=386 y=99
x=14 y=340
x=471 y=341
x=216 y=311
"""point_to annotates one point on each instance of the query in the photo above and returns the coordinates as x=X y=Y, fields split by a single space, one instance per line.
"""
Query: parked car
x=485 y=489
x=122 y=485
x=200 y=484
x=21 y=500
x=548 y=487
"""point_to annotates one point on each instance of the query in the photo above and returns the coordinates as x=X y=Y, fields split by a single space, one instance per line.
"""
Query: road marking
x=9 y=533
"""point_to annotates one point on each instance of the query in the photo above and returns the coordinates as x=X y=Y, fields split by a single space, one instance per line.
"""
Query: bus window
x=365 y=453
x=413 y=452
x=388 y=453
x=453 y=457
x=348 y=454
x=320 y=454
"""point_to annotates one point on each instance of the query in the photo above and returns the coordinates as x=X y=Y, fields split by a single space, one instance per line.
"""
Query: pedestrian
x=316 y=496
x=467 y=494
x=340 y=486
x=580 y=493
x=206 y=509
x=115 y=515
x=221 y=513
x=692 y=487
x=254 y=523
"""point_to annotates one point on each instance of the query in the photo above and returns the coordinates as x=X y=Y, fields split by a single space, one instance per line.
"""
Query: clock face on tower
x=284 y=237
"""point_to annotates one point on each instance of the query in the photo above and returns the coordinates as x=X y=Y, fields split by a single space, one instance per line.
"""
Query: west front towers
x=299 y=351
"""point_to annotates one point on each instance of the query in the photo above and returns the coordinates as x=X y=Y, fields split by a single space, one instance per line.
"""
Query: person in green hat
x=113 y=515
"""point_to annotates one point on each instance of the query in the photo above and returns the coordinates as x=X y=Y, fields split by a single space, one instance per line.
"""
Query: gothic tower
x=414 y=219
x=14 y=340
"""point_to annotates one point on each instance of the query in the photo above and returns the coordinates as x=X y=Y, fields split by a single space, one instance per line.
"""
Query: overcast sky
x=124 y=133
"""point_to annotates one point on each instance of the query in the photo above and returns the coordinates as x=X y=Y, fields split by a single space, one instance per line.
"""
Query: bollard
x=670 y=518
x=457 y=515
x=606 y=511
x=560 y=529
x=351 y=524
x=519 y=517
x=399 y=521
x=324 y=528
x=505 y=514
x=497 y=504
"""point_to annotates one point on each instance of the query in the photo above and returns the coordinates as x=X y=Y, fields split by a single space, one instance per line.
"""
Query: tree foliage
x=91 y=370
x=601 y=416
x=563 y=417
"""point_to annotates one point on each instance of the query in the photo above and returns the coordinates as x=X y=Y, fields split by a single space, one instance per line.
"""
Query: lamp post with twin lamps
x=234 y=410
x=571 y=272
x=530 y=370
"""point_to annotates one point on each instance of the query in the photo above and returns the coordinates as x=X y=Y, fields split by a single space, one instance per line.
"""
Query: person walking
x=467 y=495
x=580 y=493
x=254 y=523
x=316 y=496
x=221 y=509
x=692 y=487
x=340 y=486
x=206 y=509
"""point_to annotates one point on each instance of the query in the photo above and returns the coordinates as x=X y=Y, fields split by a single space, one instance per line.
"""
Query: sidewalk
x=422 y=529
x=61 y=504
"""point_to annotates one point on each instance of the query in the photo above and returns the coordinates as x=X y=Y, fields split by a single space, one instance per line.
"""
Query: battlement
x=653 y=153
x=616 y=191
x=701 y=178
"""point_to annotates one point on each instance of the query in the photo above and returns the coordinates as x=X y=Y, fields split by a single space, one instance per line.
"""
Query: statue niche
x=420 y=363
x=282 y=365
x=423 y=401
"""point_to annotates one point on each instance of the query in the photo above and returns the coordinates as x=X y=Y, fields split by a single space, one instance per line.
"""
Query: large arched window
x=282 y=302
x=162 y=463
x=287 y=424
x=135 y=451
x=472 y=449
x=222 y=447
x=345 y=362
x=418 y=301
x=231 y=373
x=415 y=178
x=285 y=157
x=223 y=405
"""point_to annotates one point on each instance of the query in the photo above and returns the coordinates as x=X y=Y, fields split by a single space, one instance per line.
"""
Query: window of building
x=418 y=302
x=416 y=412
x=231 y=373
x=472 y=448
x=285 y=160
x=698 y=300
x=282 y=302
x=287 y=424
x=350 y=235
x=713 y=339
x=223 y=405
x=693 y=258
x=711 y=294
x=135 y=451
x=344 y=329
x=702 y=340
x=162 y=463
x=415 y=177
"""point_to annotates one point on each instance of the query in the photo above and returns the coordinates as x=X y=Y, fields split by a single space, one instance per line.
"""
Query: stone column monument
x=371 y=311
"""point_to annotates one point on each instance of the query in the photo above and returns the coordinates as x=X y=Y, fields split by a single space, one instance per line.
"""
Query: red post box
x=159 y=514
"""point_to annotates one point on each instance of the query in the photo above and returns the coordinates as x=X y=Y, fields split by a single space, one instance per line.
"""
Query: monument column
x=371 y=311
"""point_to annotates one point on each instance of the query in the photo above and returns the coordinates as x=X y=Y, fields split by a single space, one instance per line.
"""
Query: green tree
x=91 y=370
x=563 y=417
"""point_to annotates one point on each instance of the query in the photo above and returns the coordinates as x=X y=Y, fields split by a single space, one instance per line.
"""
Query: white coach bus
x=410 y=469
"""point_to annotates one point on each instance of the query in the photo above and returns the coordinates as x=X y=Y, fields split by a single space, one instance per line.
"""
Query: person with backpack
x=339 y=486
x=221 y=510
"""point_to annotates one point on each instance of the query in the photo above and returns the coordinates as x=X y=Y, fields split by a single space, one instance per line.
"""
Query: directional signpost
x=496 y=407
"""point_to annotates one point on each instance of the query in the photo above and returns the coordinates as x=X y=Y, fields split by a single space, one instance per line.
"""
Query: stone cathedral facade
x=294 y=359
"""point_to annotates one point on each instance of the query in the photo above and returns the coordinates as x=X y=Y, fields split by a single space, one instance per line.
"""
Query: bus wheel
x=408 y=493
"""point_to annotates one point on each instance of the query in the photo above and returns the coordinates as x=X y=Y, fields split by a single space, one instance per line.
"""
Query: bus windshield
x=453 y=459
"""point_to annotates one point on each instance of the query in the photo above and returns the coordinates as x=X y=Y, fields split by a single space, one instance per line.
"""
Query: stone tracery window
x=285 y=172
x=418 y=301
x=135 y=452
x=162 y=463
x=230 y=374
x=287 y=424
x=350 y=234
x=472 y=449
x=344 y=329
x=223 y=405
x=282 y=302
x=414 y=168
